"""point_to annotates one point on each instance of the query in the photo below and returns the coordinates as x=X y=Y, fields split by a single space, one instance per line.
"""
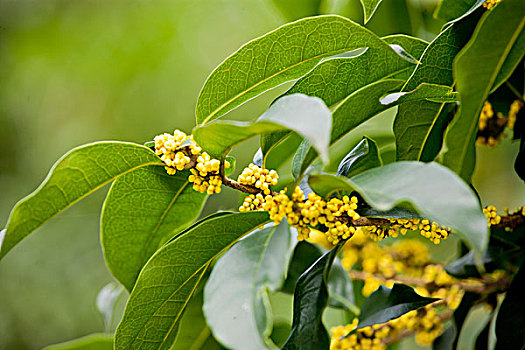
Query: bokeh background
x=78 y=71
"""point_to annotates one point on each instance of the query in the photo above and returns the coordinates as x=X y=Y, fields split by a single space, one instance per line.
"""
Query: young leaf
x=500 y=36
x=385 y=304
x=427 y=188
x=369 y=7
x=235 y=296
x=510 y=321
x=97 y=341
x=142 y=211
x=362 y=157
x=77 y=174
x=416 y=121
x=308 y=116
x=310 y=300
x=168 y=280
x=282 y=55
x=425 y=91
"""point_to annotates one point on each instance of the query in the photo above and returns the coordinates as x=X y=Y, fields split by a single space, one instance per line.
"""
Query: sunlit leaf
x=369 y=7
x=77 y=174
x=308 y=116
x=142 y=211
x=427 y=188
x=168 y=280
x=235 y=296
x=500 y=36
x=282 y=55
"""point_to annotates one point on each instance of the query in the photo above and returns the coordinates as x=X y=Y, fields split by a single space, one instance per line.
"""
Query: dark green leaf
x=77 y=174
x=461 y=313
x=425 y=91
x=510 y=321
x=310 y=300
x=362 y=157
x=308 y=116
x=415 y=121
x=446 y=340
x=452 y=9
x=97 y=341
x=142 y=211
x=169 y=278
x=427 y=188
x=385 y=304
x=235 y=296
x=412 y=45
x=500 y=36
x=369 y=7
x=282 y=55
x=482 y=341
x=466 y=265
x=283 y=150
x=395 y=213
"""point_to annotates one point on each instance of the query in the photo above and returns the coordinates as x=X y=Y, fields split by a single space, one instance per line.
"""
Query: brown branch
x=512 y=221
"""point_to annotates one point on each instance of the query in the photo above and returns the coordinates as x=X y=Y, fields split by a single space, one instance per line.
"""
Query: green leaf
x=369 y=7
x=295 y=9
x=310 y=300
x=236 y=294
x=354 y=110
x=142 y=211
x=452 y=9
x=97 y=341
x=282 y=150
x=282 y=55
x=308 y=116
x=510 y=321
x=169 y=279
x=362 y=157
x=77 y=174
x=425 y=91
x=499 y=36
x=416 y=121
x=434 y=191
x=414 y=46
x=461 y=313
x=385 y=304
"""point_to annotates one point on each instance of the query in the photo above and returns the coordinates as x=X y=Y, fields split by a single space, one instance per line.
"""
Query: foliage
x=343 y=76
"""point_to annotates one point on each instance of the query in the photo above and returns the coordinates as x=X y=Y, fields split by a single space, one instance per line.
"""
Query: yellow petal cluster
x=489 y=4
x=491 y=213
x=206 y=174
x=258 y=177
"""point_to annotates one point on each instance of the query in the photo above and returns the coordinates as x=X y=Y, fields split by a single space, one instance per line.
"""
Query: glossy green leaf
x=97 y=341
x=510 y=321
x=385 y=304
x=236 y=294
x=354 y=110
x=77 y=174
x=369 y=7
x=282 y=55
x=310 y=300
x=427 y=188
x=362 y=157
x=414 y=46
x=142 y=211
x=453 y=9
x=425 y=91
x=308 y=116
x=500 y=36
x=168 y=280
x=416 y=121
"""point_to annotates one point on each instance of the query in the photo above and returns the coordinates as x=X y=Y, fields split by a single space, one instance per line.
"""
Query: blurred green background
x=73 y=72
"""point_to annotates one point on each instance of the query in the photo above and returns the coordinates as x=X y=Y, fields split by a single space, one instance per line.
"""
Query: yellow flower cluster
x=177 y=156
x=168 y=148
x=424 y=322
x=489 y=4
x=427 y=229
x=491 y=213
x=258 y=177
x=206 y=174
x=515 y=107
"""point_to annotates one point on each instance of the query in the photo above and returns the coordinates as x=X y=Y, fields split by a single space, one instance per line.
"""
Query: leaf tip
x=2 y=236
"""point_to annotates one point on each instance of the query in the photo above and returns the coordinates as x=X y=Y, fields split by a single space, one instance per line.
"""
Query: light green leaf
x=362 y=157
x=282 y=55
x=236 y=294
x=169 y=278
x=434 y=191
x=77 y=174
x=416 y=121
x=357 y=108
x=499 y=36
x=142 y=211
x=97 y=341
x=369 y=7
x=425 y=91
x=308 y=116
